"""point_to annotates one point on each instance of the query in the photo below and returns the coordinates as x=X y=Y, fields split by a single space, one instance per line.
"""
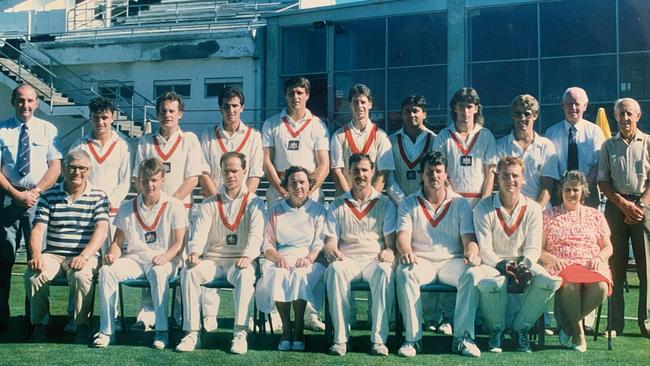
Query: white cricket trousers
x=453 y=272
x=243 y=279
x=493 y=288
x=379 y=276
x=126 y=269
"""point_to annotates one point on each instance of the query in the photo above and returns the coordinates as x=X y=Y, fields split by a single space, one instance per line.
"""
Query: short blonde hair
x=526 y=101
x=507 y=161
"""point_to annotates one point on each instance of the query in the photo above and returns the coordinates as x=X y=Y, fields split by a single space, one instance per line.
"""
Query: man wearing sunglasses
x=537 y=152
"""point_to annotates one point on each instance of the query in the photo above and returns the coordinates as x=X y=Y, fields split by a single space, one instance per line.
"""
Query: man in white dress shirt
x=30 y=164
x=577 y=141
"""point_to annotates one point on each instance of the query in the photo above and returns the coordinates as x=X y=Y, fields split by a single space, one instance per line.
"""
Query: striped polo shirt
x=70 y=224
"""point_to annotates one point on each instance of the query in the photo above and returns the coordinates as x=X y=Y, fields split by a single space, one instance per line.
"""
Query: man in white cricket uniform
x=409 y=145
x=509 y=230
x=435 y=238
x=577 y=141
x=360 y=135
x=231 y=135
x=110 y=154
x=295 y=137
x=154 y=225
x=469 y=147
x=360 y=246
x=540 y=162
x=110 y=158
x=537 y=152
x=227 y=236
x=181 y=155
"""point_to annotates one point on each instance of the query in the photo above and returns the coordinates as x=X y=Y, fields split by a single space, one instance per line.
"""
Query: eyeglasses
x=526 y=114
x=75 y=168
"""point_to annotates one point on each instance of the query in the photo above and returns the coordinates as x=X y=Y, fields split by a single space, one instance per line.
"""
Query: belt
x=636 y=198
x=20 y=189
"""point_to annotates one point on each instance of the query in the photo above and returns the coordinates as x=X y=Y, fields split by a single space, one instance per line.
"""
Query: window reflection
x=597 y=75
x=635 y=75
x=427 y=81
x=359 y=44
x=503 y=32
x=499 y=82
x=417 y=39
x=634 y=23
x=577 y=27
x=303 y=50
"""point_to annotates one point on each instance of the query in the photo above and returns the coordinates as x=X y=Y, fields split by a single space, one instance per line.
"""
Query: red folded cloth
x=575 y=273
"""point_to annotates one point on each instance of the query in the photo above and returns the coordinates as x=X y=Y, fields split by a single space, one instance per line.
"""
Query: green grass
x=132 y=348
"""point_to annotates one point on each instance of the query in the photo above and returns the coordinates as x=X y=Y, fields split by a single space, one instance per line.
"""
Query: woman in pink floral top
x=576 y=246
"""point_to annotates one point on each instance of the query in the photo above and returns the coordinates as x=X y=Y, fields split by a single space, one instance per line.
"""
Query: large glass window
x=634 y=22
x=360 y=44
x=418 y=80
x=499 y=82
x=303 y=50
x=180 y=87
x=503 y=33
x=119 y=91
x=214 y=87
x=577 y=27
x=417 y=39
x=597 y=75
x=394 y=56
x=635 y=75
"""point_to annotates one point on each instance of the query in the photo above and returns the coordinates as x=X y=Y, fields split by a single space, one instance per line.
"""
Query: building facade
x=500 y=47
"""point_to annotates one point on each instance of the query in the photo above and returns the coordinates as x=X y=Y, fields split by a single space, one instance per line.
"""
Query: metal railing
x=82 y=89
x=94 y=15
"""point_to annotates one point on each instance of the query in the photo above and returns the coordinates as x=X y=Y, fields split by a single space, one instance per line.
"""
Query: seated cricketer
x=509 y=231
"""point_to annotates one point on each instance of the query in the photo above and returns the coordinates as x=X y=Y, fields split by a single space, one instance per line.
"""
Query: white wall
x=201 y=112
x=142 y=61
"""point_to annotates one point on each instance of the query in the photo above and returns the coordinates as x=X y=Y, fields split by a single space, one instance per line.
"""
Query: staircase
x=67 y=93
x=20 y=74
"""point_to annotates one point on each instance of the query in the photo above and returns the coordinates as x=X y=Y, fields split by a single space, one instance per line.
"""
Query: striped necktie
x=572 y=154
x=23 y=151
